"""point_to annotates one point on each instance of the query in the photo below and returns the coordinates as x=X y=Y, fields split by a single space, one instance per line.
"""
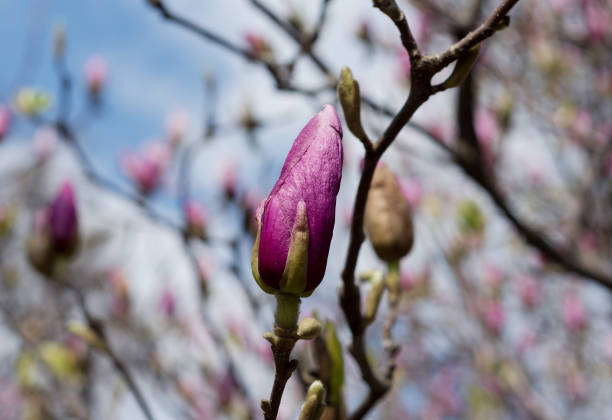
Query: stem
x=287 y=311
x=282 y=340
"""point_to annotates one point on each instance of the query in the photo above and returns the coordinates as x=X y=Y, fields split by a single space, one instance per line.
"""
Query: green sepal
x=295 y=275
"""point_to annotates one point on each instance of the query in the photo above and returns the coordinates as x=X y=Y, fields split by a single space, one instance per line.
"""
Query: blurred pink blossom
x=588 y=241
x=493 y=276
x=574 y=314
x=404 y=64
x=177 y=123
x=582 y=124
x=493 y=316
x=526 y=342
x=5 y=120
x=413 y=191
x=597 y=20
x=167 y=303
x=196 y=218
x=45 y=142
x=120 y=299
x=577 y=387
x=96 y=72
x=147 y=167
x=229 y=181
x=529 y=291
x=258 y=46
x=487 y=130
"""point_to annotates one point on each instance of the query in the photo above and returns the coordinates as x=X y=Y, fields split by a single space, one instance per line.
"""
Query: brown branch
x=484 y=31
x=97 y=326
x=422 y=70
x=477 y=170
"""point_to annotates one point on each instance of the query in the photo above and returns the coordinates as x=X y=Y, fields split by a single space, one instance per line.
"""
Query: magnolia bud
x=63 y=222
x=32 y=102
x=377 y=287
x=471 y=219
x=5 y=120
x=309 y=328
x=348 y=92
x=59 y=41
x=96 y=72
x=315 y=402
x=388 y=219
x=462 y=68
x=296 y=221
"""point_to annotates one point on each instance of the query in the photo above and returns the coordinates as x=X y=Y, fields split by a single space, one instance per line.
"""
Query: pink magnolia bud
x=296 y=221
x=487 y=130
x=120 y=298
x=195 y=217
x=5 y=120
x=493 y=316
x=258 y=47
x=229 y=181
x=413 y=191
x=167 y=303
x=597 y=20
x=147 y=168
x=96 y=72
x=574 y=314
x=63 y=221
x=177 y=123
x=404 y=64
x=529 y=291
x=45 y=141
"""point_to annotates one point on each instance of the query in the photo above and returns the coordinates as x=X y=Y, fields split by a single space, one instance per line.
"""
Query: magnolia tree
x=399 y=211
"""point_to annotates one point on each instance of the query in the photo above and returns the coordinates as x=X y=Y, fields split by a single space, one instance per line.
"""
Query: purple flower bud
x=296 y=221
x=63 y=221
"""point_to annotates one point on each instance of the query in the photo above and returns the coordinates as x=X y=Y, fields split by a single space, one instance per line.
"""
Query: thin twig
x=97 y=326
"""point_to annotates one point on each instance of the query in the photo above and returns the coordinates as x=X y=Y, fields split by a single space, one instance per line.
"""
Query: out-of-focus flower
x=388 y=219
x=63 y=221
x=413 y=191
x=493 y=316
x=258 y=47
x=195 y=218
x=45 y=142
x=229 y=181
x=574 y=313
x=120 y=298
x=487 y=130
x=5 y=120
x=582 y=124
x=364 y=33
x=471 y=219
x=54 y=236
x=577 y=387
x=529 y=291
x=167 y=303
x=403 y=61
x=296 y=221
x=597 y=20
x=147 y=168
x=493 y=276
x=32 y=102
x=249 y=204
x=8 y=214
x=96 y=73
x=177 y=123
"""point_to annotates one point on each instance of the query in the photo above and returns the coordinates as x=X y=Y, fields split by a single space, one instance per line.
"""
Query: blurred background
x=168 y=122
